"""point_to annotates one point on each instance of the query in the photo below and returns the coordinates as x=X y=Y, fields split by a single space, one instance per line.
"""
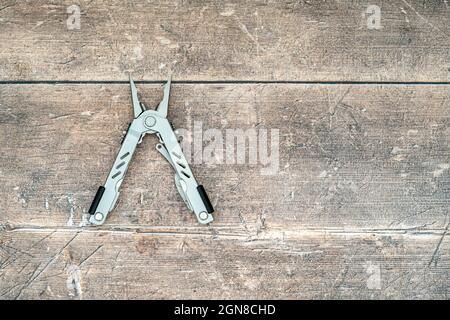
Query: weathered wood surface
x=360 y=156
x=50 y=264
x=358 y=209
x=233 y=40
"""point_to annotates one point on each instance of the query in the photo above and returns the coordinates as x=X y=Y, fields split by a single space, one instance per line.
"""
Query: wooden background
x=358 y=209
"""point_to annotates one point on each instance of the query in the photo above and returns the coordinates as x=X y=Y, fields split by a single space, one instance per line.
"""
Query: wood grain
x=49 y=264
x=357 y=209
x=350 y=157
x=233 y=40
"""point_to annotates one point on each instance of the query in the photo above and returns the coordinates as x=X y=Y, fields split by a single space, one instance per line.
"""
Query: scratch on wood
x=71 y=207
x=254 y=39
x=89 y=256
x=7 y=6
x=442 y=168
x=434 y=257
x=421 y=16
x=37 y=273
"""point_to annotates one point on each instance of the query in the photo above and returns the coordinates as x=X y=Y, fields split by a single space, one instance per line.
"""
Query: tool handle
x=107 y=195
x=193 y=193
x=205 y=199
x=96 y=201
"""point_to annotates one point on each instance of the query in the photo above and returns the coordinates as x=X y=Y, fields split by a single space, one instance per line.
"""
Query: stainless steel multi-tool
x=144 y=122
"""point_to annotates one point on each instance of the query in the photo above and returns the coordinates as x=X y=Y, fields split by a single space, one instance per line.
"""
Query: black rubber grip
x=97 y=198
x=205 y=199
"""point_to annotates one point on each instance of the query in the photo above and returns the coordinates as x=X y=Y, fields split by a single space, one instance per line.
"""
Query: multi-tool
x=147 y=122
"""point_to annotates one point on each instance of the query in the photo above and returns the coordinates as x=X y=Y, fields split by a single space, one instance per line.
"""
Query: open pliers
x=148 y=122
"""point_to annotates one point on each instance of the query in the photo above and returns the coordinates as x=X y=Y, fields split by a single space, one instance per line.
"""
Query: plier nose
x=138 y=108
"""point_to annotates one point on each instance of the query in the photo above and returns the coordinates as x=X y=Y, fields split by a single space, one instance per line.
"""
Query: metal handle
x=193 y=194
x=106 y=199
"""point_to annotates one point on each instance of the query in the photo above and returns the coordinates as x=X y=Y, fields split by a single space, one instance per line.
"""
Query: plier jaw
x=138 y=108
x=144 y=122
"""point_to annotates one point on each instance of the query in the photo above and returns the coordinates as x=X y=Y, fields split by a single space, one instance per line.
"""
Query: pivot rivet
x=150 y=121
x=98 y=216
